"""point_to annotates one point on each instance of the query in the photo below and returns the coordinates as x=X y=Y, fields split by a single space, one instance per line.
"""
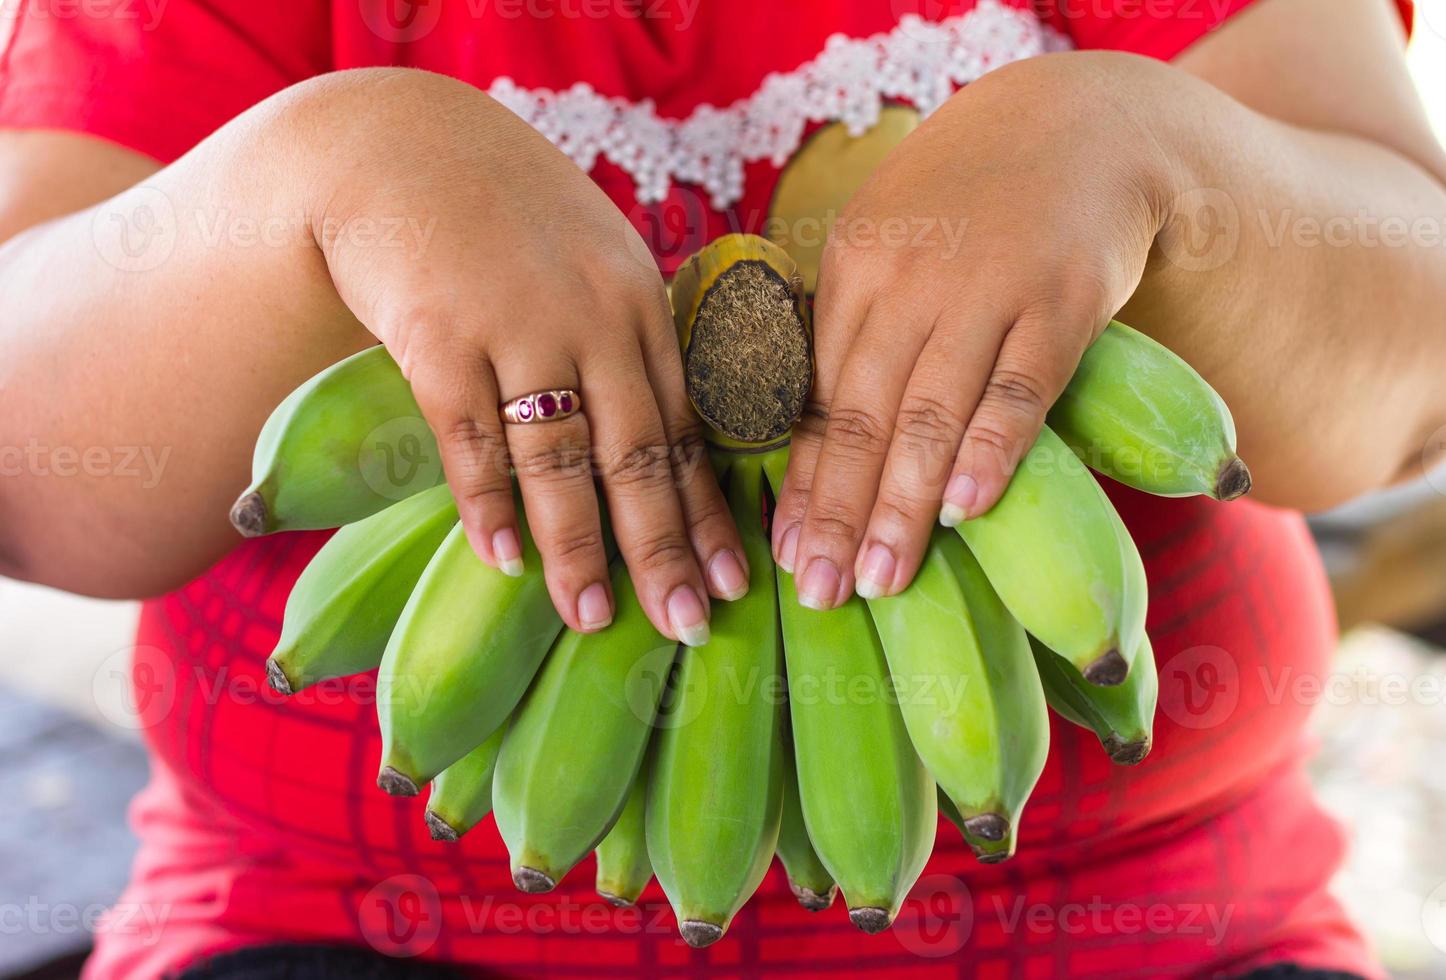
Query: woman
x=1229 y=174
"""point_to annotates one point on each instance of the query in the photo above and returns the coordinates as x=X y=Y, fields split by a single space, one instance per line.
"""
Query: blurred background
x=74 y=761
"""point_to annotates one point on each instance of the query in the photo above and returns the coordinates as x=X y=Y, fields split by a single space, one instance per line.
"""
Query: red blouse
x=261 y=823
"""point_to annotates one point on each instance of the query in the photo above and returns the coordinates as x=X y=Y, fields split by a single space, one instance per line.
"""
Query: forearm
x=134 y=382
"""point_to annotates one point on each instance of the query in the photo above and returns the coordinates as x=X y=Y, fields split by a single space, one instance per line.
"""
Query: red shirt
x=262 y=824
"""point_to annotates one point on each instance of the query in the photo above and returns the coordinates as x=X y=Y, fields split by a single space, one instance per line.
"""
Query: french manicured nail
x=594 y=610
x=876 y=572
x=725 y=574
x=688 y=617
x=819 y=586
x=788 y=549
x=959 y=498
x=508 y=551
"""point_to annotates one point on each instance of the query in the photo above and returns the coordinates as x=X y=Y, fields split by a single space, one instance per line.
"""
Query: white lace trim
x=919 y=61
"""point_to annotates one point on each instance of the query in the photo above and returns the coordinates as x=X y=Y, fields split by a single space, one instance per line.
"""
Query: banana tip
x=987 y=826
x=617 y=901
x=871 y=920
x=812 y=900
x=248 y=515
x=532 y=881
x=277 y=678
x=441 y=829
x=394 y=783
x=1127 y=753
x=1233 y=480
x=699 y=934
x=1110 y=670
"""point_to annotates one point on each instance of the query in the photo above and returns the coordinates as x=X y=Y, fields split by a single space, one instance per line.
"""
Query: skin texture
x=1078 y=181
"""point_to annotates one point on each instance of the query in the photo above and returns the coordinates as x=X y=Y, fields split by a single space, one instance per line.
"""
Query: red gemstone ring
x=542 y=406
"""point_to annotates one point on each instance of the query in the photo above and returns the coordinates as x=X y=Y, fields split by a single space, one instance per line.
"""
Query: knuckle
x=558 y=463
x=835 y=522
x=659 y=551
x=577 y=546
x=926 y=419
x=1016 y=391
x=633 y=464
x=857 y=430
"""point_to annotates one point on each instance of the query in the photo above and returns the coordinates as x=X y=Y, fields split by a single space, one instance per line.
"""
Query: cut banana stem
x=468 y=644
x=715 y=793
x=462 y=793
x=1143 y=417
x=808 y=879
x=1122 y=717
x=743 y=325
x=1056 y=553
x=969 y=692
x=577 y=741
x=872 y=820
x=623 y=870
x=348 y=443
x=348 y=599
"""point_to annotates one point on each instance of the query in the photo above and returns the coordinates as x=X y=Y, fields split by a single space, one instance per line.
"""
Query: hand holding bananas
x=700 y=764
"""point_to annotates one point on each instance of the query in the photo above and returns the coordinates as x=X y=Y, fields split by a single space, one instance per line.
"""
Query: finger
x=850 y=463
x=1036 y=360
x=554 y=471
x=632 y=455
x=457 y=393
x=944 y=388
x=710 y=528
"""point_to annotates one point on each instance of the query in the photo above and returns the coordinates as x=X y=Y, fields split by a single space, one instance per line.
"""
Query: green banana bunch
x=577 y=741
x=873 y=820
x=1142 y=416
x=348 y=443
x=468 y=644
x=969 y=692
x=623 y=870
x=715 y=794
x=808 y=879
x=1123 y=717
x=347 y=601
x=1056 y=553
x=462 y=793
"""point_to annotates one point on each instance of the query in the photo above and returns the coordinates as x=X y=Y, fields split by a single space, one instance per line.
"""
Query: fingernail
x=688 y=617
x=508 y=551
x=876 y=572
x=819 y=584
x=594 y=610
x=959 y=497
x=788 y=549
x=725 y=573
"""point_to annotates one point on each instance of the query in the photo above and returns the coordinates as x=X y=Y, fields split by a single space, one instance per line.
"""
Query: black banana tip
x=394 y=783
x=248 y=515
x=617 y=901
x=870 y=920
x=1127 y=753
x=1233 y=480
x=699 y=934
x=987 y=826
x=812 y=900
x=532 y=881
x=276 y=677
x=994 y=857
x=441 y=829
x=1110 y=670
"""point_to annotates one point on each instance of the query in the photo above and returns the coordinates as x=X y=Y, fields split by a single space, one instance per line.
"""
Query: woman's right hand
x=526 y=278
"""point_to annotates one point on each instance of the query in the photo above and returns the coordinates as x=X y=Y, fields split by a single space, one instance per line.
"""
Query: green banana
x=348 y=599
x=577 y=741
x=808 y=879
x=715 y=794
x=468 y=644
x=969 y=692
x=1142 y=416
x=949 y=811
x=462 y=793
x=348 y=443
x=1122 y=717
x=1053 y=550
x=623 y=870
x=868 y=801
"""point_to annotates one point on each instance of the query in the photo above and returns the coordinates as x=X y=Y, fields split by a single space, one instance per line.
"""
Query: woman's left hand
x=957 y=293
